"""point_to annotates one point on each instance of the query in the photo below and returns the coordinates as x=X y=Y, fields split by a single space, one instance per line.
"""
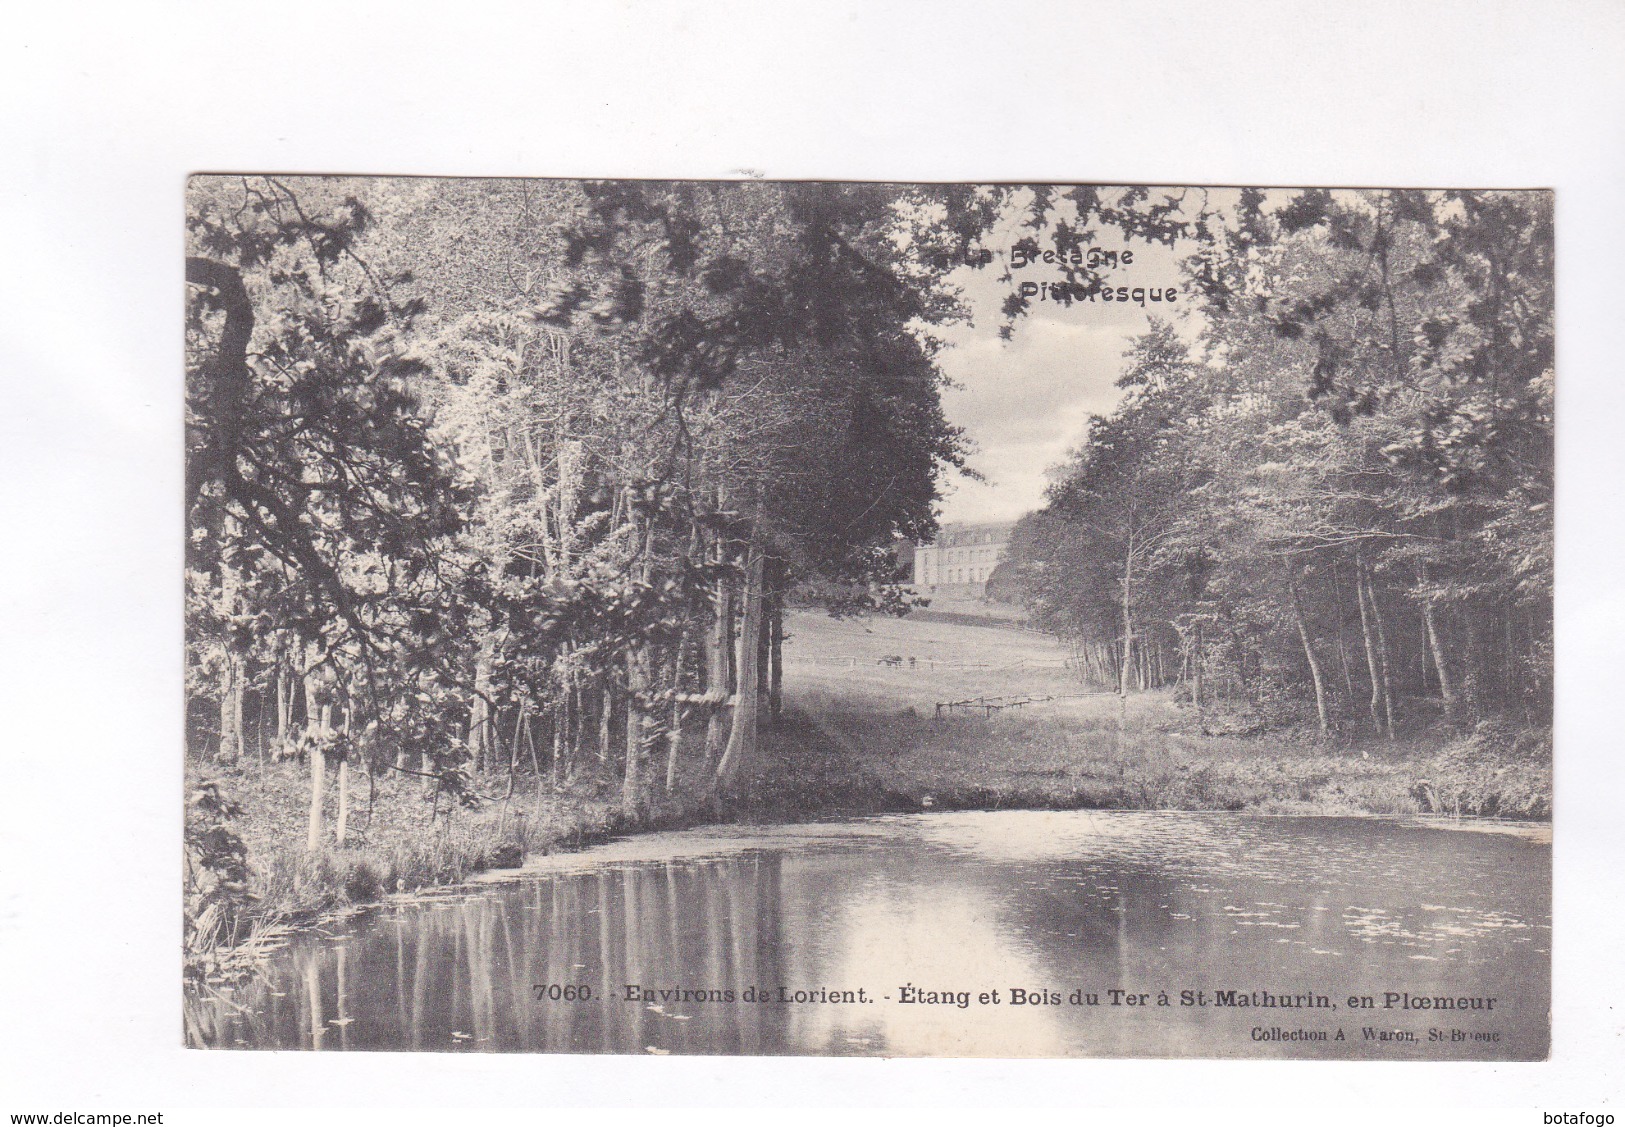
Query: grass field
x=1083 y=747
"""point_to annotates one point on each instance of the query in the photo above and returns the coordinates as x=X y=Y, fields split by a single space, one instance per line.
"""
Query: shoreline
x=1536 y=832
x=571 y=860
x=815 y=769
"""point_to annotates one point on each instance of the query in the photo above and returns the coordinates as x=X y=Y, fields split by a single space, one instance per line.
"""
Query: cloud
x=1026 y=402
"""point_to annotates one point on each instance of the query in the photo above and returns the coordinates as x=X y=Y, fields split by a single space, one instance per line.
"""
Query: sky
x=1025 y=403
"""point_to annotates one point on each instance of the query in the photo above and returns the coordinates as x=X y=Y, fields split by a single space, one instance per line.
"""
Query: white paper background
x=103 y=110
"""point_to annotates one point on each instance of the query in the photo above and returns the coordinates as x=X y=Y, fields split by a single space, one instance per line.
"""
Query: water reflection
x=655 y=945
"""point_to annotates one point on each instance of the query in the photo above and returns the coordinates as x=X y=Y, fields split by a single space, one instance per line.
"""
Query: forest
x=491 y=479
x=497 y=491
x=1330 y=502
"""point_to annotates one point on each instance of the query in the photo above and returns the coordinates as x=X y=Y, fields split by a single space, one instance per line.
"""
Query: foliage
x=1495 y=770
x=1345 y=477
x=217 y=877
x=490 y=475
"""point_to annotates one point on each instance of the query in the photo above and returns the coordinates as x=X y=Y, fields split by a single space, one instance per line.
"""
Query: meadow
x=1087 y=747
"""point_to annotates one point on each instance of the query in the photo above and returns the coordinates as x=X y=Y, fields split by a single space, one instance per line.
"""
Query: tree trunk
x=747 y=693
x=284 y=699
x=1309 y=652
x=1342 y=642
x=1441 y=664
x=1128 y=628
x=674 y=734
x=1196 y=668
x=1373 y=664
x=718 y=673
x=775 y=652
x=640 y=673
x=231 y=707
x=561 y=738
x=316 y=725
x=521 y=728
x=232 y=671
x=637 y=725
x=1382 y=655
x=480 y=720
x=575 y=723
x=763 y=644
x=341 y=831
x=1198 y=659
x=1127 y=663
x=535 y=755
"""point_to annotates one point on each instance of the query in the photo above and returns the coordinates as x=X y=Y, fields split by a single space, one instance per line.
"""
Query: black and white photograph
x=839 y=618
x=701 y=559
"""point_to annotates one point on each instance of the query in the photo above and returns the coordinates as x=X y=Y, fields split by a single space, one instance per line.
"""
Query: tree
x=1365 y=441
x=316 y=497
x=1117 y=514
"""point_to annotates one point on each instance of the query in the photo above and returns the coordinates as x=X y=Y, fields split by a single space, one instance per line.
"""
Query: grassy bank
x=1072 y=755
x=397 y=841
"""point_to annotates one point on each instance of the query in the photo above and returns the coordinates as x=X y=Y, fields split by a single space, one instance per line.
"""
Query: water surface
x=666 y=943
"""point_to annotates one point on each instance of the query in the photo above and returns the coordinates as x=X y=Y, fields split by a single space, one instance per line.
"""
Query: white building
x=963 y=556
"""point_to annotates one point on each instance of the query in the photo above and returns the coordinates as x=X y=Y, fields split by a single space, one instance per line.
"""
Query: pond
x=1010 y=933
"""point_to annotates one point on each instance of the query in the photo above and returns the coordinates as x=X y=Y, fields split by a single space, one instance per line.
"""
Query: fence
x=899 y=661
x=988 y=705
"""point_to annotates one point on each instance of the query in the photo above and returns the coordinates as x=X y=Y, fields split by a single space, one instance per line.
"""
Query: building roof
x=957 y=535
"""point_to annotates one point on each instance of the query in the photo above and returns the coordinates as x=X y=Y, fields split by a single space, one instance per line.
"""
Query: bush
x=363 y=883
x=217 y=877
x=1498 y=770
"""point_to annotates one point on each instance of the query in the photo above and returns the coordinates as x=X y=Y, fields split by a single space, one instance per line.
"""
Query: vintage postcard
x=838 y=618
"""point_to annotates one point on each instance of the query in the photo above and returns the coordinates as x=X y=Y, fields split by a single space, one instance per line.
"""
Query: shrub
x=1498 y=770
